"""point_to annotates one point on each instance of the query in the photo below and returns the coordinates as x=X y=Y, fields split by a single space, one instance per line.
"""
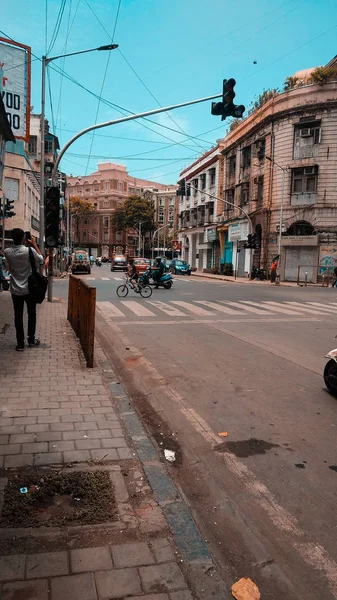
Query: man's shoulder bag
x=37 y=283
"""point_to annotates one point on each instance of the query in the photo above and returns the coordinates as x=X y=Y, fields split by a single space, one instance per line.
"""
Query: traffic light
x=52 y=216
x=227 y=108
x=9 y=212
x=182 y=191
x=251 y=242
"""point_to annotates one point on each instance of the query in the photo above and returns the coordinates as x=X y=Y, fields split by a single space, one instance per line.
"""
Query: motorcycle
x=166 y=280
x=98 y=263
x=258 y=274
x=330 y=372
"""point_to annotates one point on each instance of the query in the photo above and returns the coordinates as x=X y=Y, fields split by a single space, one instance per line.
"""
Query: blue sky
x=181 y=50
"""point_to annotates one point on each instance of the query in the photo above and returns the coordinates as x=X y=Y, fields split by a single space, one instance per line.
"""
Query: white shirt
x=17 y=258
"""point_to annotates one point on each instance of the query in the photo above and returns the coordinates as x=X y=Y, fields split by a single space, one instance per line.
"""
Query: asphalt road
x=210 y=357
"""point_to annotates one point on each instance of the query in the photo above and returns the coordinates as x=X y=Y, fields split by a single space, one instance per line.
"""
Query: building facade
x=199 y=208
x=106 y=189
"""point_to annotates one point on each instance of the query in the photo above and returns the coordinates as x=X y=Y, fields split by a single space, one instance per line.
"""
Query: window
x=48 y=146
x=246 y=156
x=260 y=189
x=203 y=181
x=87 y=189
x=231 y=165
x=94 y=233
x=85 y=221
x=304 y=180
x=105 y=221
x=161 y=201
x=96 y=187
x=301 y=228
x=32 y=145
x=195 y=186
x=107 y=186
x=161 y=218
x=211 y=175
x=171 y=201
x=85 y=234
x=260 y=148
x=171 y=216
x=106 y=235
x=229 y=196
x=106 y=204
x=306 y=137
x=244 y=194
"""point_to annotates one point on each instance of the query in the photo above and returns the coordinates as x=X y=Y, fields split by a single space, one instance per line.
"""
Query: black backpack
x=37 y=283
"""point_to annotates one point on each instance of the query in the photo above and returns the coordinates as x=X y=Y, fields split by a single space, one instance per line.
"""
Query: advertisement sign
x=176 y=245
x=211 y=235
x=15 y=63
x=238 y=232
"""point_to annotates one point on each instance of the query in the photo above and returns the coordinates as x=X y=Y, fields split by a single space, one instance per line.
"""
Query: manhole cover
x=39 y=497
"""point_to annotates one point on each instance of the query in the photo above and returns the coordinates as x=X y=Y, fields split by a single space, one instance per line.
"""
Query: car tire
x=89 y=271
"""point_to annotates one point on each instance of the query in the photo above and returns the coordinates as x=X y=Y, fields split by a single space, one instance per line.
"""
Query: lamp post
x=154 y=235
x=45 y=62
x=283 y=169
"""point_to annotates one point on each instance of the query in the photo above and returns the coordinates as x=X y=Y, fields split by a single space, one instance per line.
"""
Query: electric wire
x=57 y=26
x=103 y=83
x=64 y=50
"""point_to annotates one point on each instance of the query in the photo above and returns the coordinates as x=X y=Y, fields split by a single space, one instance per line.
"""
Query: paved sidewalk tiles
x=55 y=413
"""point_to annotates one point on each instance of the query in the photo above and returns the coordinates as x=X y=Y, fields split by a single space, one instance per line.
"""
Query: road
x=208 y=357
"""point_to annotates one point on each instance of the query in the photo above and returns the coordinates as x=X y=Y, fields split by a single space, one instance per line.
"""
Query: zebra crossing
x=204 y=309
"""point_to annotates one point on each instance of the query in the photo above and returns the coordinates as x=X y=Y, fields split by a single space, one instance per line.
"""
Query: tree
x=291 y=82
x=78 y=206
x=262 y=99
x=133 y=211
x=323 y=74
x=234 y=124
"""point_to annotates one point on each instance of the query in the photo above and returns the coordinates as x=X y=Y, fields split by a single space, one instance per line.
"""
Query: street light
x=154 y=235
x=45 y=62
x=283 y=169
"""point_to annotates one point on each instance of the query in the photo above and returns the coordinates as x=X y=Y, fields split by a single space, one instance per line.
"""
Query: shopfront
x=238 y=235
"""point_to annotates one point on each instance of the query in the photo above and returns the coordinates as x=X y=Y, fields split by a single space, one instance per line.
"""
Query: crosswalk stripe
x=90 y=278
x=166 y=308
x=219 y=307
x=118 y=278
x=138 y=309
x=256 y=311
x=273 y=306
x=105 y=278
x=323 y=306
x=308 y=309
x=196 y=310
x=109 y=309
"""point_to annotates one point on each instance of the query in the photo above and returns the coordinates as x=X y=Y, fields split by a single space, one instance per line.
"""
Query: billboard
x=15 y=61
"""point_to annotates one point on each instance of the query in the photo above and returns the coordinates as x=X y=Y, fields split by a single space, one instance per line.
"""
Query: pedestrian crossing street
x=203 y=309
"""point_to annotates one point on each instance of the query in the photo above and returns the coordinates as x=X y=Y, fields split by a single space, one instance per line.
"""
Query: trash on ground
x=170 y=455
x=245 y=589
x=23 y=490
x=223 y=434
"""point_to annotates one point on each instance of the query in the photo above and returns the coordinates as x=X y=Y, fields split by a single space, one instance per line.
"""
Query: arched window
x=301 y=228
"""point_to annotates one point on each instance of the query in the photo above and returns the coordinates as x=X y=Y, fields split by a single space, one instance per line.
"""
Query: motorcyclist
x=158 y=271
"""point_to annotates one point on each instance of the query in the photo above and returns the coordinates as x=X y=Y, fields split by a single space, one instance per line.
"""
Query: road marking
x=251 y=309
x=138 y=309
x=271 y=319
x=196 y=310
x=278 y=307
x=166 y=308
x=90 y=278
x=219 y=307
x=323 y=306
x=118 y=278
x=105 y=278
x=109 y=310
x=308 y=309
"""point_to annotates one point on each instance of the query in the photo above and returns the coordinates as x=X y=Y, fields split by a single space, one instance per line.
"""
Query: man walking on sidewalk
x=17 y=258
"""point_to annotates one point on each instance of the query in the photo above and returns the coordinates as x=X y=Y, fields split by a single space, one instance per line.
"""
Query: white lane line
x=323 y=306
x=166 y=308
x=308 y=309
x=118 y=278
x=196 y=310
x=109 y=310
x=219 y=307
x=105 y=278
x=90 y=278
x=138 y=309
x=279 y=307
x=256 y=311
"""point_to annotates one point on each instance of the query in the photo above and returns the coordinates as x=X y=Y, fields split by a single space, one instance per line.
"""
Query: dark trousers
x=18 y=303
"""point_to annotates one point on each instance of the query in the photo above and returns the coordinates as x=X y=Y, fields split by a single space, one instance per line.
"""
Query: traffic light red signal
x=52 y=217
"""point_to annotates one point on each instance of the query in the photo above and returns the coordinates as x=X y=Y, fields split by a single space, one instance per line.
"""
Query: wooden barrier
x=81 y=314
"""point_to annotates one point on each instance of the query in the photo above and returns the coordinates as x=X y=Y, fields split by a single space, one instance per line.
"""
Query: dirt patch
x=54 y=498
x=245 y=448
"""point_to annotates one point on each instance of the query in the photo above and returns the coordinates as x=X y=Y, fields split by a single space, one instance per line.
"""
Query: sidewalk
x=124 y=531
x=242 y=279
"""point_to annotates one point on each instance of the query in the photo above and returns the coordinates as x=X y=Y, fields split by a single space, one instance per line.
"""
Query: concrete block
x=117 y=583
x=27 y=590
x=160 y=578
x=46 y=564
x=131 y=555
x=12 y=566
x=73 y=587
x=162 y=550
x=90 y=559
x=47 y=458
x=19 y=460
x=76 y=456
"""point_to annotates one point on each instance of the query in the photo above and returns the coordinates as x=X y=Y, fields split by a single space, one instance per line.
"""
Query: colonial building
x=280 y=172
x=106 y=189
x=199 y=207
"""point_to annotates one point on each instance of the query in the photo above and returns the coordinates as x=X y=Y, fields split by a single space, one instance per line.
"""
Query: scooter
x=4 y=282
x=330 y=372
x=166 y=280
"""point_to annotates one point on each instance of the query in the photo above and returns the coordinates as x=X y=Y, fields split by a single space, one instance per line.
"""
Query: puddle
x=245 y=448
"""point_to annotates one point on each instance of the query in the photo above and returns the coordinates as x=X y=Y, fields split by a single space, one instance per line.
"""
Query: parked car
x=119 y=263
x=141 y=264
x=80 y=262
x=180 y=267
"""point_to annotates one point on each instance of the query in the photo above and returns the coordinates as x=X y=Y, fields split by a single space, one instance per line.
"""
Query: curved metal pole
x=154 y=235
x=132 y=117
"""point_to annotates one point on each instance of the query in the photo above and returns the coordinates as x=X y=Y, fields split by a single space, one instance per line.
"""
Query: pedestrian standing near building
x=2 y=267
x=273 y=270
x=18 y=262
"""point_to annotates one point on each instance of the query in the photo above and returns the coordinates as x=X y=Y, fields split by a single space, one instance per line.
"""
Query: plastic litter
x=245 y=589
x=170 y=455
x=23 y=490
x=223 y=434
